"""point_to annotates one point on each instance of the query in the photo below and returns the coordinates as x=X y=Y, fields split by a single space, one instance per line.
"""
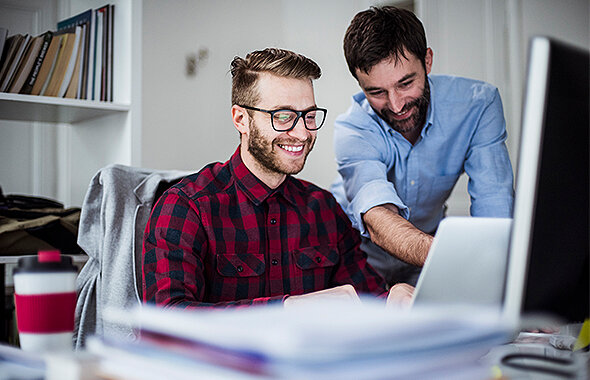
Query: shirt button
x=273 y=221
x=412 y=182
x=274 y=262
x=240 y=268
x=318 y=259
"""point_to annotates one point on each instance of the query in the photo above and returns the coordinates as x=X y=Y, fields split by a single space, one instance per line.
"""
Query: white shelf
x=18 y=107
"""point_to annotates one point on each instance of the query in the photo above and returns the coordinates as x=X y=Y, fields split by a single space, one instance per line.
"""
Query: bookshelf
x=89 y=134
x=54 y=110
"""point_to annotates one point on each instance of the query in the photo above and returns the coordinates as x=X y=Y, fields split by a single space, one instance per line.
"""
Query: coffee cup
x=45 y=301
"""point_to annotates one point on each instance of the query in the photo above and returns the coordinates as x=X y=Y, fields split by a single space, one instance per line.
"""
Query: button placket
x=412 y=178
x=274 y=247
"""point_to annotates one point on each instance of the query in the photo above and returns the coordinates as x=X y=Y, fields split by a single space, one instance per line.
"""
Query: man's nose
x=299 y=131
x=396 y=101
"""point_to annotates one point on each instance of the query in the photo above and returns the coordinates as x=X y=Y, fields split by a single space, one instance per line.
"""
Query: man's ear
x=241 y=119
x=428 y=60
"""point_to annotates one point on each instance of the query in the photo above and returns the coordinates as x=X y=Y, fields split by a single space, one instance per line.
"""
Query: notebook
x=466 y=264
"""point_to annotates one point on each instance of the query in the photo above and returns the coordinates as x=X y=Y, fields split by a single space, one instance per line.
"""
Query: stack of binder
x=330 y=340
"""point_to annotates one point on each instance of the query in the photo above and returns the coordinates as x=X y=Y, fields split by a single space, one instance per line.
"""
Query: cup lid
x=45 y=261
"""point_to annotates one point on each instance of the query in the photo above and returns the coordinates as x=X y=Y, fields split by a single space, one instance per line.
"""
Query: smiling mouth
x=402 y=115
x=292 y=148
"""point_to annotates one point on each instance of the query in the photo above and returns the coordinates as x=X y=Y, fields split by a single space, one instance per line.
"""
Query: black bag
x=29 y=224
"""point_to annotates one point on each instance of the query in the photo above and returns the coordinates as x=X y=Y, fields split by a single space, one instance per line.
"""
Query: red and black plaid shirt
x=221 y=237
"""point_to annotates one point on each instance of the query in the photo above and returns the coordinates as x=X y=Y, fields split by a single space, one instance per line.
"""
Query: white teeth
x=292 y=148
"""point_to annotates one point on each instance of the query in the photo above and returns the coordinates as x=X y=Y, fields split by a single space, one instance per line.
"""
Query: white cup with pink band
x=45 y=301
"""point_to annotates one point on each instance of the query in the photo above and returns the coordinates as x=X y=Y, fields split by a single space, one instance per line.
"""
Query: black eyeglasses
x=284 y=120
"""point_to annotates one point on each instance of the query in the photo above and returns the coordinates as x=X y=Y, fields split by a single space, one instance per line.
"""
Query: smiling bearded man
x=408 y=137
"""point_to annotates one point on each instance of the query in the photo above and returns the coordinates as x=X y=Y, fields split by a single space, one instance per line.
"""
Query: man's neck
x=412 y=136
x=268 y=177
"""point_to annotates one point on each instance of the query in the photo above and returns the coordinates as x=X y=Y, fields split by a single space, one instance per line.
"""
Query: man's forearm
x=396 y=235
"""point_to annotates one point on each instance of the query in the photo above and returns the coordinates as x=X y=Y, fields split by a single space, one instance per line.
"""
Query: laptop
x=466 y=264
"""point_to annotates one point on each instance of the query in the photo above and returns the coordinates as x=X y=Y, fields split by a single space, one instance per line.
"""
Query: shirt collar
x=430 y=112
x=256 y=190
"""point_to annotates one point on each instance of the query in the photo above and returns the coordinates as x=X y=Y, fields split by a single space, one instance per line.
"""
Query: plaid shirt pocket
x=316 y=266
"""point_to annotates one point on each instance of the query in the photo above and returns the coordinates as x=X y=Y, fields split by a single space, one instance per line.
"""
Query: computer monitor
x=548 y=256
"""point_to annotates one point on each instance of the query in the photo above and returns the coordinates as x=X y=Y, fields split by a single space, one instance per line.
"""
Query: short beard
x=263 y=151
x=418 y=119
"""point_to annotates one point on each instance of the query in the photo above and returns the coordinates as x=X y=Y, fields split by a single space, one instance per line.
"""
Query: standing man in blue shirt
x=406 y=139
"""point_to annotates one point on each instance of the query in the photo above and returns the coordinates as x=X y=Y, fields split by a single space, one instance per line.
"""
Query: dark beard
x=418 y=119
x=263 y=151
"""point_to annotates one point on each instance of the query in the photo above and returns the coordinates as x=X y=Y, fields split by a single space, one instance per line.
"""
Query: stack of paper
x=331 y=340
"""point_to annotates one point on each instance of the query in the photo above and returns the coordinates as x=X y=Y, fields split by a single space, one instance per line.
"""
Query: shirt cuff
x=493 y=207
x=373 y=194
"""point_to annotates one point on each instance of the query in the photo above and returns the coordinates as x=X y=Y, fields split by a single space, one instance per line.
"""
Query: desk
x=5 y=314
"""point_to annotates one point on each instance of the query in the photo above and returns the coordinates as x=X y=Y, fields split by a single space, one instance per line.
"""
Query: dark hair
x=383 y=32
x=279 y=62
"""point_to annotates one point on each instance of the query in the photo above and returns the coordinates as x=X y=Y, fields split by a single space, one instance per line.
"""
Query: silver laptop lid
x=466 y=264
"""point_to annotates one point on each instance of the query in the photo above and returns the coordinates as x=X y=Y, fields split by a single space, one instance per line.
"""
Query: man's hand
x=389 y=230
x=343 y=292
x=400 y=295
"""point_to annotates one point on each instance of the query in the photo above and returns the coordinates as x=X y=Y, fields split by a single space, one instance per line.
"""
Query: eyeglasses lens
x=284 y=120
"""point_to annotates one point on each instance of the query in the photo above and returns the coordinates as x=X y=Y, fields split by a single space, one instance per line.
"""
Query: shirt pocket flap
x=316 y=257
x=240 y=264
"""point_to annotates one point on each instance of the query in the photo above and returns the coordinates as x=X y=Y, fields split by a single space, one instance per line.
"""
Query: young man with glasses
x=246 y=232
x=407 y=138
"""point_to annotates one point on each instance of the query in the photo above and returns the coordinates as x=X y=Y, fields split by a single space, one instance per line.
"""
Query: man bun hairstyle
x=280 y=62
x=379 y=33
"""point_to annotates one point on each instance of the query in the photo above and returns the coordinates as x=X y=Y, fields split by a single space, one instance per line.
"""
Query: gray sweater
x=115 y=210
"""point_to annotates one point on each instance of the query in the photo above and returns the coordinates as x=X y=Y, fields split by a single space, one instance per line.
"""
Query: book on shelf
x=86 y=21
x=98 y=54
x=88 y=74
x=109 y=55
x=3 y=36
x=23 y=44
x=71 y=65
x=26 y=65
x=83 y=58
x=47 y=66
x=71 y=90
x=63 y=61
x=9 y=49
x=12 y=45
x=27 y=87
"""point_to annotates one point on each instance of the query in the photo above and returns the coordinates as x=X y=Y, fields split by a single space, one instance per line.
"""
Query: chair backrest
x=115 y=210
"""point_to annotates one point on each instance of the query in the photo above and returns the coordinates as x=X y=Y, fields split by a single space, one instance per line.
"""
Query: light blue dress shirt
x=465 y=131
